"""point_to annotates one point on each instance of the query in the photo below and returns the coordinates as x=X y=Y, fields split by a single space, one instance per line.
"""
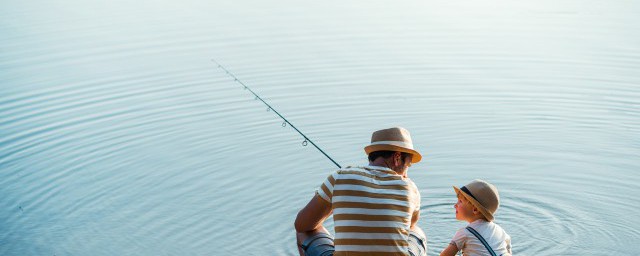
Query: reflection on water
x=118 y=136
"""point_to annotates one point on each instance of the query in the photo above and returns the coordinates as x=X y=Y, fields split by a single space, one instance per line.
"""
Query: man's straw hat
x=393 y=139
x=482 y=195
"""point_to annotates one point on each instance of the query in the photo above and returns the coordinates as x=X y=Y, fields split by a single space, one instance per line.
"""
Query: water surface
x=119 y=136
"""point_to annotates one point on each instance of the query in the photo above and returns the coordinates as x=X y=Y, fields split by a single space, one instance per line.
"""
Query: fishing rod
x=269 y=108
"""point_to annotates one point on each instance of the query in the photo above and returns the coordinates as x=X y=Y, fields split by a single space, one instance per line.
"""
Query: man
x=375 y=208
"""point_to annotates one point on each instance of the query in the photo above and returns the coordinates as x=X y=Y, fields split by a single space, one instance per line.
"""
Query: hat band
x=464 y=189
x=394 y=143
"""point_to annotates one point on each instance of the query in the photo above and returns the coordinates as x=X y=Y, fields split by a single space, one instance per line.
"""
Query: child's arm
x=451 y=250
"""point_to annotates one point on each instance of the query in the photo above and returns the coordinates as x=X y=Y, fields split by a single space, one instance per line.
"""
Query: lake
x=120 y=136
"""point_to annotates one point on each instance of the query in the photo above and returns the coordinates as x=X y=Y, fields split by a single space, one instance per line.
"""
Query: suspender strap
x=484 y=242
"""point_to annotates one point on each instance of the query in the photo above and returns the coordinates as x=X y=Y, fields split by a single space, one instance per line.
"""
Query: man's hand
x=313 y=215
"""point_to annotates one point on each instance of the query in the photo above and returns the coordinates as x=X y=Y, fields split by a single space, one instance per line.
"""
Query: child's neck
x=474 y=218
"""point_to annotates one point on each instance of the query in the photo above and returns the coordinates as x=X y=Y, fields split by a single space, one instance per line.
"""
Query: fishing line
x=269 y=108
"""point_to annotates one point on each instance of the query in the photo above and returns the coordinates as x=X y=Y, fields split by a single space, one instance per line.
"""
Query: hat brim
x=486 y=213
x=416 y=157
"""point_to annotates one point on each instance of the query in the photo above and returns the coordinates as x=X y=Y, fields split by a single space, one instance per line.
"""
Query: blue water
x=119 y=136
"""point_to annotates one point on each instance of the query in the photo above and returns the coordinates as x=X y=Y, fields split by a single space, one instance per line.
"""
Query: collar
x=478 y=222
x=376 y=168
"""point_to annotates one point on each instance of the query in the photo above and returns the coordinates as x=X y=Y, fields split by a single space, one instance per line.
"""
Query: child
x=477 y=202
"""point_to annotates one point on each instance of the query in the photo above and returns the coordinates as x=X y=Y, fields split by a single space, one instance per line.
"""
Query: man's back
x=372 y=210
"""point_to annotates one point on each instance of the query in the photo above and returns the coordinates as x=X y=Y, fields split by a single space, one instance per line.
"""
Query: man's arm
x=313 y=215
x=310 y=219
x=414 y=218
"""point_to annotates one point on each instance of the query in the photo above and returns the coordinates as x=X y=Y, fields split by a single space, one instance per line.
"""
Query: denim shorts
x=321 y=244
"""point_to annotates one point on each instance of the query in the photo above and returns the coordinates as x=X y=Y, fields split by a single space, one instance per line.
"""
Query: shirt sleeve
x=325 y=191
x=460 y=238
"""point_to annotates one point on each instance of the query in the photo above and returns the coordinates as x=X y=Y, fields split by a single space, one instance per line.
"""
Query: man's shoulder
x=378 y=174
x=412 y=185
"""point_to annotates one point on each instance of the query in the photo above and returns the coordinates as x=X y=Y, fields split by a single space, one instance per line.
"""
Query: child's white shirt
x=495 y=236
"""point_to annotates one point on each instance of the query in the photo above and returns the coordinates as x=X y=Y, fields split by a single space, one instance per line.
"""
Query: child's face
x=464 y=209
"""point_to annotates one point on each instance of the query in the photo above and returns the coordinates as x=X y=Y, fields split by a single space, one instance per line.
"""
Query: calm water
x=119 y=136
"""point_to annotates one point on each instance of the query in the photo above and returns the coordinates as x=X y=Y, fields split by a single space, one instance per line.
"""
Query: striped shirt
x=372 y=210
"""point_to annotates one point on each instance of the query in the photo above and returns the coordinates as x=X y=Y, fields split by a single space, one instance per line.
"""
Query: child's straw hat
x=482 y=195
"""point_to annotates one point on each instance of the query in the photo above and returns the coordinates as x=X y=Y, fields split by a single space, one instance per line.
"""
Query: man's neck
x=381 y=163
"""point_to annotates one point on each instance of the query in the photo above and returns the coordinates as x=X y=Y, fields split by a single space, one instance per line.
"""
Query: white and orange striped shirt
x=372 y=210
